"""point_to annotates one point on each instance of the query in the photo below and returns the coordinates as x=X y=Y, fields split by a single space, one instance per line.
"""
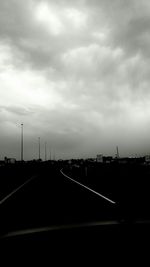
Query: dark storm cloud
x=128 y=22
x=19 y=29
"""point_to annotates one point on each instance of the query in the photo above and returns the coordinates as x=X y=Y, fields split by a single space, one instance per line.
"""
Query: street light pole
x=39 y=148
x=45 y=152
x=22 y=142
x=50 y=155
x=117 y=152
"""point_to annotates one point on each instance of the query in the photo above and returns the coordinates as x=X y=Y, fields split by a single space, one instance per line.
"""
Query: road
x=52 y=213
x=52 y=200
x=52 y=218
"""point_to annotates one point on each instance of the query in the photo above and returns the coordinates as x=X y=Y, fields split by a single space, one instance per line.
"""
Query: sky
x=77 y=75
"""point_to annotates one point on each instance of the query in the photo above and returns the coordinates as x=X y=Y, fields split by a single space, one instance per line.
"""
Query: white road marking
x=88 y=188
x=17 y=189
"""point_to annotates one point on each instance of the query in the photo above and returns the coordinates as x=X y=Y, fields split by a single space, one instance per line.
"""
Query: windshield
x=74 y=114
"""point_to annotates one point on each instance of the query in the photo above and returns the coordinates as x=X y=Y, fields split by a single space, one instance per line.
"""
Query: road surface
x=52 y=200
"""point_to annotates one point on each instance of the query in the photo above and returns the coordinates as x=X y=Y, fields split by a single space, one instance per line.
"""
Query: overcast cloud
x=77 y=74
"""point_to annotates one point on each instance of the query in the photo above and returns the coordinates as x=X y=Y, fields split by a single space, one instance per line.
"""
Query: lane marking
x=88 y=188
x=16 y=190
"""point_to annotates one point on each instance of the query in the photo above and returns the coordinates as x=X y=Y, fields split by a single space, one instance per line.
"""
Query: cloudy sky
x=77 y=74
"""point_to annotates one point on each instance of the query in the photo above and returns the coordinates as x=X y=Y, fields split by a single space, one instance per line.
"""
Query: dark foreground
x=52 y=212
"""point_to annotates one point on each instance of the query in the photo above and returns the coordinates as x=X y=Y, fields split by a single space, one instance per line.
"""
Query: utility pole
x=22 y=142
x=39 y=148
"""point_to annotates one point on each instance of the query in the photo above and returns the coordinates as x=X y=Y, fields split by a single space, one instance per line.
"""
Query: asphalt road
x=51 y=212
x=51 y=200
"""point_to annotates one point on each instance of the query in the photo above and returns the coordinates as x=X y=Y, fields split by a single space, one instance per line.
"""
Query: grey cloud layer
x=96 y=61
